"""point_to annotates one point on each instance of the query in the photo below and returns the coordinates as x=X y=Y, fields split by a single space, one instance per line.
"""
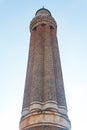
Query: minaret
x=44 y=104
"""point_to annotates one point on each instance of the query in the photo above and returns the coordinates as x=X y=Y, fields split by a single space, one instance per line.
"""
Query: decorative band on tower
x=44 y=104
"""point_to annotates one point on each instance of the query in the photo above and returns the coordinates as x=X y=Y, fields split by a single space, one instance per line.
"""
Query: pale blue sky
x=71 y=18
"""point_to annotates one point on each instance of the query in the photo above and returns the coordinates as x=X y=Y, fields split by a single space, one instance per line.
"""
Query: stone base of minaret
x=42 y=119
x=45 y=116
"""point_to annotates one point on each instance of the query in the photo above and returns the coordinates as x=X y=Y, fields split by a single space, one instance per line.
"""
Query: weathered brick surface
x=27 y=91
x=58 y=71
x=37 y=71
x=44 y=80
x=49 y=77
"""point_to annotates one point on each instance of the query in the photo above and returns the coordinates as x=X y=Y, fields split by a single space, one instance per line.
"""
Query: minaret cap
x=43 y=12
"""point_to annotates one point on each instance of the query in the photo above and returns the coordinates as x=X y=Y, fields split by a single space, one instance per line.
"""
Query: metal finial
x=43 y=6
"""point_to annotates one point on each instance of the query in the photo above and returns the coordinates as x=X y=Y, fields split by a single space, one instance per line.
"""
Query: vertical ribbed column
x=58 y=71
x=37 y=72
x=49 y=77
x=28 y=81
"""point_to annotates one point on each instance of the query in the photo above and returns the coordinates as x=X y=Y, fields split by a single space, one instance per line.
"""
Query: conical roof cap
x=43 y=12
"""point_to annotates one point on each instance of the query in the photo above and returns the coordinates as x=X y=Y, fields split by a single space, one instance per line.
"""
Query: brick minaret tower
x=44 y=103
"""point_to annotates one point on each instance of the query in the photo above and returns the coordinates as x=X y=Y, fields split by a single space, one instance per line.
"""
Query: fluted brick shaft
x=44 y=104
